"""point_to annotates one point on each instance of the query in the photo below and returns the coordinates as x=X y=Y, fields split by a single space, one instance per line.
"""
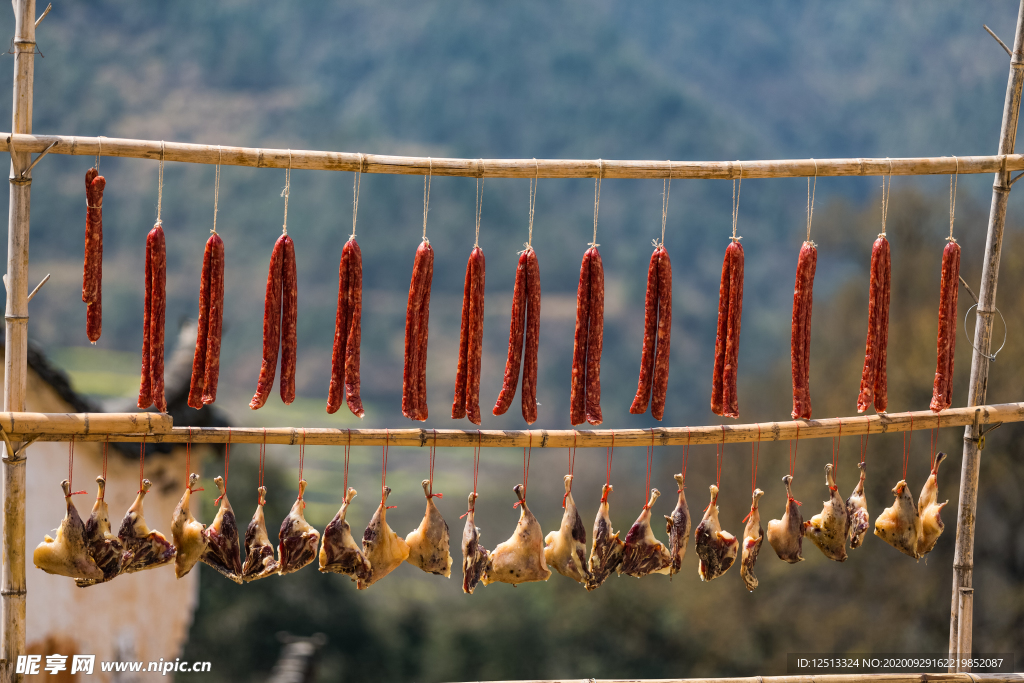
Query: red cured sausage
x=151 y=388
x=803 y=300
x=595 y=340
x=339 y=351
x=942 y=391
x=289 y=317
x=146 y=380
x=347 y=332
x=578 y=394
x=647 y=357
x=417 y=316
x=271 y=325
x=724 y=399
x=198 y=380
x=516 y=333
x=215 y=316
x=873 y=377
x=664 y=347
x=532 y=342
x=467 y=377
x=92 y=269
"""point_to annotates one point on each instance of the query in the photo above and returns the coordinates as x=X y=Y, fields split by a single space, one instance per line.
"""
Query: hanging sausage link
x=657 y=337
x=523 y=338
x=206 y=360
x=467 y=376
x=279 y=316
x=724 y=399
x=347 y=332
x=585 y=397
x=803 y=295
x=873 y=379
x=151 y=388
x=417 y=316
x=942 y=390
x=92 y=270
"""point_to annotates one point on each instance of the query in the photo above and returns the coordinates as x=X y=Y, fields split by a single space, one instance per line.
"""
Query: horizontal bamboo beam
x=816 y=678
x=88 y=430
x=503 y=168
x=81 y=425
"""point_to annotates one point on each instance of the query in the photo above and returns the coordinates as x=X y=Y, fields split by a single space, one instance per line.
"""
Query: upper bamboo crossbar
x=504 y=168
x=92 y=427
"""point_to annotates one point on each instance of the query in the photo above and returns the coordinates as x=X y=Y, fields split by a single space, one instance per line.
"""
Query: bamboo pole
x=39 y=424
x=100 y=427
x=505 y=168
x=963 y=557
x=817 y=678
x=12 y=593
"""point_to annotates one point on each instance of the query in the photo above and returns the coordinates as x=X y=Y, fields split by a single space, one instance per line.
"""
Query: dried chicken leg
x=565 y=550
x=297 y=540
x=753 y=537
x=643 y=554
x=900 y=525
x=187 y=532
x=475 y=558
x=521 y=558
x=259 y=551
x=827 y=530
x=222 y=550
x=678 y=528
x=716 y=549
x=606 y=553
x=929 y=510
x=383 y=547
x=428 y=543
x=857 y=518
x=104 y=547
x=67 y=555
x=143 y=548
x=786 y=535
x=339 y=552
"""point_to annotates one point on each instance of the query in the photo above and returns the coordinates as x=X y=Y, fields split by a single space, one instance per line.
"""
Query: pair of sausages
x=466 y=402
x=280 y=309
x=585 y=398
x=417 y=316
x=92 y=270
x=873 y=379
x=151 y=388
x=803 y=295
x=942 y=390
x=206 y=361
x=347 y=332
x=724 y=399
x=657 y=337
x=523 y=338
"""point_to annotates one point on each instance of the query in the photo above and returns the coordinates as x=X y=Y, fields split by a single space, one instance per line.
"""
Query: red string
x=348 y=450
x=527 y=452
x=863 y=447
x=262 y=458
x=650 y=462
x=142 y=461
x=906 y=446
x=384 y=471
x=931 y=454
x=188 y=463
x=792 y=452
x=835 y=456
x=608 y=453
x=71 y=466
x=433 y=454
x=476 y=466
x=227 y=461
x=755 y=453
x=105 y=445
x=302 y=453
x=686 y=454
x=718 y=466
x=572 y=466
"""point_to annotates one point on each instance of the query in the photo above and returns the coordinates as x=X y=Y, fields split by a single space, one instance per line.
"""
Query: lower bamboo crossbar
x=816 y=678
x=105 y=426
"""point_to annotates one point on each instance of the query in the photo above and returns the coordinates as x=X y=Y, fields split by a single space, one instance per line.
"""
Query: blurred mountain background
x=603 y=79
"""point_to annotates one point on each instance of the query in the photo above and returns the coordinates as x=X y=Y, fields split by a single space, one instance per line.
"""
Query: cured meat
x=753 y=537
x=803 y=295
x=678 y=528
x=104 y=547
x=565 y=550
x=67 y=555
x=900 y=524
x=428 y=543
x=259 y=551
x=289 y=321
x=417 y=317
x=643 y=554
x=206 y=360
x=222 y=550
x=516 y=333
x=858 y=519
x=942 y=391
x=143 y=548
x=475 y=558
x=786 y=535
x=716 y=548
x=827 y=530
x=187 y=532
x=521 y=558
x=585 y=397
x=297 y=540
x=523 y=338
x=92 y=267
x=873 y=379
x=727 y=342
x=930 y=510
x=657 y=337
x=347 y=332
x=606 y=552
x=271 y=325
x=383 y=547
x=339 y=552
x=151 y=388
x=467 y=378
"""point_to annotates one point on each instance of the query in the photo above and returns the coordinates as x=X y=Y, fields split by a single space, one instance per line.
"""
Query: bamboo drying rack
x=20 y=429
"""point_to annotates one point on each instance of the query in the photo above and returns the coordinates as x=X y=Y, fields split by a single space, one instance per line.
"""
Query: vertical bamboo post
x=960 y=621
x=12 y=594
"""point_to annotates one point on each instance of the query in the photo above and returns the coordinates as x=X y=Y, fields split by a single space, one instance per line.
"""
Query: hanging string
x=433 y=454
x=426 y=197
x=384 y=472
x=686 y=455
x=650 y=462
x=608 y=453
x=527 y=452
x=572 y=466
x=476 y=458
x=99 y=153
x=835 y=456
x=356 y=182
x=216 y=190
x=533 y=201
x=755 y=454
x=792 y=452
x=810 y=199
x=106 y=444
x=479 y=204
x=227 y=462
x=597 y=200
x=863 y=448
x=931 y=451
x=71 y=467
x=348 y=451
x=142 y=461
x=886 y=189
x=666 y=190
x=907 y=437
x=952 y=198
x=302 y=454
x=735 y=203
x=263 y=459
x=720 y=450
x=159 y=184
x=286 y=192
